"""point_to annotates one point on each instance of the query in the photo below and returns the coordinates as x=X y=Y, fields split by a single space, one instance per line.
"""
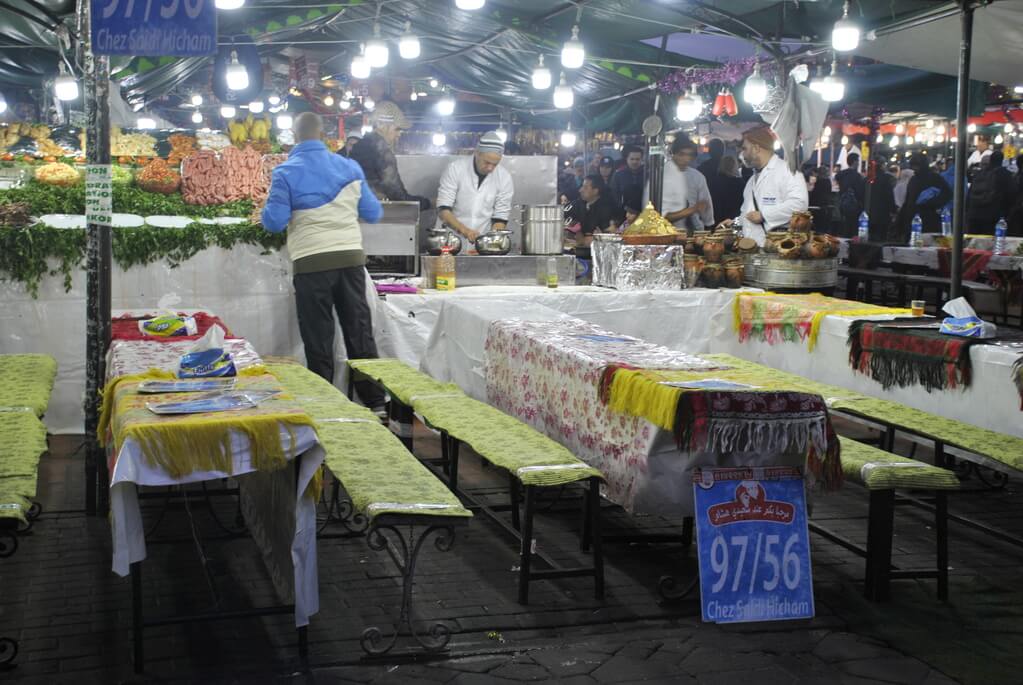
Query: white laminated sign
x=98 y=194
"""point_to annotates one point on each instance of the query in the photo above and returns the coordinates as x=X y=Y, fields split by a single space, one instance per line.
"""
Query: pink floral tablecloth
x=547 y=374
x=127 y=357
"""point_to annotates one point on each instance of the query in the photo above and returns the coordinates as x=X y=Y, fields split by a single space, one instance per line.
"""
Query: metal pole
x=959 y=191
x=98 y=257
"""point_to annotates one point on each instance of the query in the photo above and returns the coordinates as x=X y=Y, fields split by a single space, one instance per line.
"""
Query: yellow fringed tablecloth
x=771 y=317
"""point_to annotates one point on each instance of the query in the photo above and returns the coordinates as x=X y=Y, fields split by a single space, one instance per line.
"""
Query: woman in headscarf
x=901 y=186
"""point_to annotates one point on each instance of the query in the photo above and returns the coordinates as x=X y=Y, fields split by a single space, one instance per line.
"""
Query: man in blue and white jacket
x=319 y=198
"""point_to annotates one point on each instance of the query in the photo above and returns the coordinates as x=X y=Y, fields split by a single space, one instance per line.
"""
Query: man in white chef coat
x=773 y=193
x=475 y=194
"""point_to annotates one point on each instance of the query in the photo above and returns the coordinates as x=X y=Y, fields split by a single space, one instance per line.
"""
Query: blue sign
x=154 y=28
x=753 y=545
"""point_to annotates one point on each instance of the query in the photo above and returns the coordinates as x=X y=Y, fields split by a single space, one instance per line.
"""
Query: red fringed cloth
x=900 y=356
x=127 y=328
x=974 y=262
x=775 y=422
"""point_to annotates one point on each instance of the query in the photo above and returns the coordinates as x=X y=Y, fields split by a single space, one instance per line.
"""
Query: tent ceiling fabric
x=997 y=45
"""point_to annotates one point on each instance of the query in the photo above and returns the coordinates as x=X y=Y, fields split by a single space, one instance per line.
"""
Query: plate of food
x=63 y=220
x=161 y=221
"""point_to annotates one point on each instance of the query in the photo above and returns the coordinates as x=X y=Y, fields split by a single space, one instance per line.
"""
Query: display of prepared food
x=131 y=144
x=212 y=140
x=58 y=174
x=158 y=177
x=182 y=146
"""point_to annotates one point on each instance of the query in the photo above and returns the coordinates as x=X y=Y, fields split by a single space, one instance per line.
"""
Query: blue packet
x=964 y=327
x=212 y=363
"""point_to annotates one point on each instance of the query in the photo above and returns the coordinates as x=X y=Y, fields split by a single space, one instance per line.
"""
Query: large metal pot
x=439 y=238
x=543 y=229
x=494 y=243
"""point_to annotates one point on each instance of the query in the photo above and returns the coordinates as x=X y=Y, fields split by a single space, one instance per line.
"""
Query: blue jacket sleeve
x=277 y=212
x=370 y=209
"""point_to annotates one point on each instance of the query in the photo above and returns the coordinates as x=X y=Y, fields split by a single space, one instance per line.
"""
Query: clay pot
x=746 y=245
x=711 y=276
x=692 y=265
x=698 y=238
x=734 y=273
x=789 y=249
x=773 y=238
x=713 y=248
x=801 y=222
x=729 y=240
x=817 y=248
x=834 y=243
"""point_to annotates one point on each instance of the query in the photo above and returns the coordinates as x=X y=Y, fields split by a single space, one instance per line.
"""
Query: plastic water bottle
x=1000 y=231
x=946 y=222
x=446 y=269
x=916 y=234
x=863 y=229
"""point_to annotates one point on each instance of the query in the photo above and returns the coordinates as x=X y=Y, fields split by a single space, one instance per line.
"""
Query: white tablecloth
x=694 y=321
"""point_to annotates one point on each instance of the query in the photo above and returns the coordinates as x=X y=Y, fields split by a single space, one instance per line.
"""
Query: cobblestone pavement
x=72 y=615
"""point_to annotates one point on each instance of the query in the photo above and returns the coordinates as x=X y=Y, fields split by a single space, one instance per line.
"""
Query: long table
x=430 y=329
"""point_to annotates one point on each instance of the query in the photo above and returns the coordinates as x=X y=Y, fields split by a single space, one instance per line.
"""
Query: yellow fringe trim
x=636 y=394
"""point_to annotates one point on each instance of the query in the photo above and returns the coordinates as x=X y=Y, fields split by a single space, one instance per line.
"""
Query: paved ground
x=73 y=615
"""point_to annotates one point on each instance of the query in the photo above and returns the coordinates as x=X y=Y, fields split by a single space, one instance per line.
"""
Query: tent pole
x=959 y=191
x=98 y=258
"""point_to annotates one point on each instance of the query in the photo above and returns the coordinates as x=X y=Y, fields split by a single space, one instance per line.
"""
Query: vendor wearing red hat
x=773 y=193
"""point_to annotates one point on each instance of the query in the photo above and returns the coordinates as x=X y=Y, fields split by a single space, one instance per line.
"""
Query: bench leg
x=453 y=448
x=445 y=454
x=401 y=418
x=586 y=529
x=350 y=390
x=526 y=552
x=889 y=439
x=941 y=527
x=136 y=617
x=687 y=530
x=513 y=499
x=404 y=552
x=593 y=504
x=879 y=544
x=851 y=284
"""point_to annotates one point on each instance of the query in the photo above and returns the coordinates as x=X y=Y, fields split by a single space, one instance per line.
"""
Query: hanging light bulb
x=1009 y=128
x=942 y=130
x=826 y=132
x=369 y=104
x=360 y=68
x=573 y=54
x=894 y=142
x=910 y=140
x=328 y=101
x=227 y=111
x=439 y=139
x=236 y=74
x=196 y=117
x=689 y=106
x=568 y=138
x=196 y=100
x=145 y=123
x=3 y=103
x=755 y=90
x=413 y=96
x=999 y=139
x=256 y=106
x=971 y=128
x=617 y=145
x=434 y=83
x=345 y=104
x=564 y=98
x=833 y=88
x=900 y=129
x=541 y=76
x=366 y=129
x=469 y=6
x=65 y=87
x=502 y=134
x=846 y=34
x=284 y=121
x=274 y=100
x=845 y=140
x=446 y=105
x=929 y=123
x=879 y=139
x=377 y=52
x=408 y=44
x=229 y=4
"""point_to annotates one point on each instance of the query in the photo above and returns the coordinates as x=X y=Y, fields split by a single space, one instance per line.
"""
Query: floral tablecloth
x=130 y=357
x=547 y=373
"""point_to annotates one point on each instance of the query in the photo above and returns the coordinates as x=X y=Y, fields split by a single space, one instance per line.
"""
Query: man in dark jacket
x=882 y=205
x=926 y=195
x=627 y=184
x=991 y=195
x=594 y=212
x=852 y=191
x=375 y=154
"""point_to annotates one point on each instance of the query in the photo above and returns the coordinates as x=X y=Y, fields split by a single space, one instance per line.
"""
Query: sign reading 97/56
x=753 y=545
x=154 y=28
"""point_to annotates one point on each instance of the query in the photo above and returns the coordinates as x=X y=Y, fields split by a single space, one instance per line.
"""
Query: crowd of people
x=702 y=190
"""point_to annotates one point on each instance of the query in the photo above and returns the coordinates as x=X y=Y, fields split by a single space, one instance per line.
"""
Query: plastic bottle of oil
x=446 y=270
x=552 y=272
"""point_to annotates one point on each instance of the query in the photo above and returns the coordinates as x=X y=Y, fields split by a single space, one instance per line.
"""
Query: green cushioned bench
x=22 y=444
x=531 y=459
x=388 y=487
x=26 y=380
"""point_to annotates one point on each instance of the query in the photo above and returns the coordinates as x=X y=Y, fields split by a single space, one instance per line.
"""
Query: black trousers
x=317 y=296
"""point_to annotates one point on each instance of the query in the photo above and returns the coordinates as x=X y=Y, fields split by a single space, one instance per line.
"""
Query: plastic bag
x=964 y=322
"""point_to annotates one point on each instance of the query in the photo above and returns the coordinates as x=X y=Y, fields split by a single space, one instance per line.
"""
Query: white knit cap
x=490 y=142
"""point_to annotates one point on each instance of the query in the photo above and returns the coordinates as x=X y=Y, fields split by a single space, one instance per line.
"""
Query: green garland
x=26 y=253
